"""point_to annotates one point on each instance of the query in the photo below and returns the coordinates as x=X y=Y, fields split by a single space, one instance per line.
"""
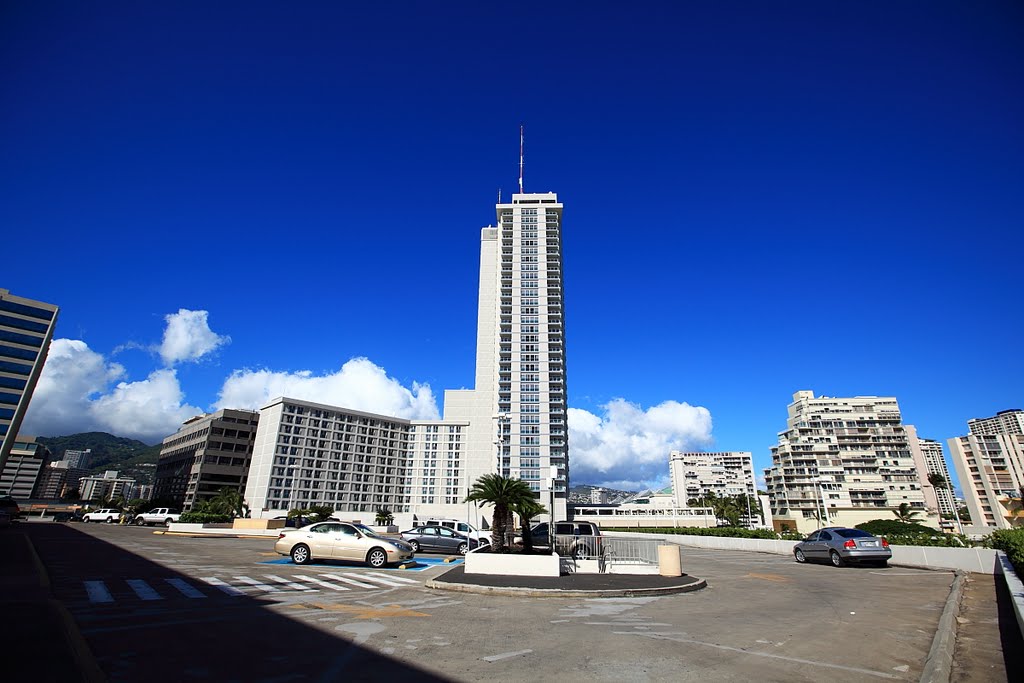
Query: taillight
x=280 y=536
x=850 y=544
x=885 y=543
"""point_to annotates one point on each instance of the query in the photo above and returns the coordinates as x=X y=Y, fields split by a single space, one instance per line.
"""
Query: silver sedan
x=840 y=546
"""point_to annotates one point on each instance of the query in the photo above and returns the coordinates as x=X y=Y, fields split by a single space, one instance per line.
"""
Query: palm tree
x=384 y=517
x=905 y=513
x=937 y=480
x=527 y=510
x=228 y=501
x=503 y=493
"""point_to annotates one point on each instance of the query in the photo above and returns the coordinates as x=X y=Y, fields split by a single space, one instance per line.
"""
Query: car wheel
x=579 y=552
x=300 y=554
x=837 y=561
x=376 y=558
x=882 y=564
x=167 y=522
x=140 y=522
x=85 y=520
x=415 y=546
x=463 y=547
x=799 y=555
x=110 y=520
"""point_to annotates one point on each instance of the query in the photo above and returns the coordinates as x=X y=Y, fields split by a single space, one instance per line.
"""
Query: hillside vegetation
x=131 y=457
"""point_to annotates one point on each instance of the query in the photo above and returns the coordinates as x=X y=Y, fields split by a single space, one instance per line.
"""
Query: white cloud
x=188 y=337
x=359 y=385
x=75 y=394
x=628 y=447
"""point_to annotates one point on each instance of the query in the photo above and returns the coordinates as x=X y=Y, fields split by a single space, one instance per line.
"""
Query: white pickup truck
x=158 y=516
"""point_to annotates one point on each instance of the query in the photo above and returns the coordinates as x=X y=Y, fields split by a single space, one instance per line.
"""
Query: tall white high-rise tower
x=517 y=411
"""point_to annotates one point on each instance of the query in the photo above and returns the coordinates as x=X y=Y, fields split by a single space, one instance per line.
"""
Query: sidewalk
x=35 y=622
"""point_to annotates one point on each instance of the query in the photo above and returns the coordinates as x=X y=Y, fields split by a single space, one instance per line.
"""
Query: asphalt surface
x=167 y=608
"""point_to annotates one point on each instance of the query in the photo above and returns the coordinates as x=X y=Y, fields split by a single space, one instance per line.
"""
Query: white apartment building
x=990 y=465
x=20 y=474
x=729 y=473
x=842 y=462
x=26 y=329
x=928 y=460
x=516 y=413
x=76 y=458
x=512 y=422
x=105 y=487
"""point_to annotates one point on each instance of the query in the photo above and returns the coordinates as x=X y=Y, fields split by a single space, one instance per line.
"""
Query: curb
x=84 y=659
x=559 y=593
x=1016 y=588
x=185 y=534
x=938 y=666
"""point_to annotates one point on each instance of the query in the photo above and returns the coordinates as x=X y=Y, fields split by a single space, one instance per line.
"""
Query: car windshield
x=367 y=531
x=853 y=533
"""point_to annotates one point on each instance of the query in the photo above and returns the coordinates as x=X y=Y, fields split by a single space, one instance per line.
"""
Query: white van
x=482 y=537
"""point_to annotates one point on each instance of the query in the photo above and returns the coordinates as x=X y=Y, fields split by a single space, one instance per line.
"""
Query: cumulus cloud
x=359 y=385
x=188 y=337
x=76 y=392
x=628 y=447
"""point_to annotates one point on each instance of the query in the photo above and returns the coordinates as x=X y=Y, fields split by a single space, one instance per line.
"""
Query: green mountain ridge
x=131 y=457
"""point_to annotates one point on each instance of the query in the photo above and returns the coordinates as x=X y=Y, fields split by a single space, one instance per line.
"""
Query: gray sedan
x=438 y=538
x=840 y=546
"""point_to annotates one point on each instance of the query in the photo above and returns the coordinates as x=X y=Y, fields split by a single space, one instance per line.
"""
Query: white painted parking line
x=343 y=579
x=227 y=588
x=97 y=591
x=184 y=588
x=392 y=577
x=291 y=585
x=143 y=589
x=506 y=655
x=325 y=584
x=378 y=579
x=256 y=584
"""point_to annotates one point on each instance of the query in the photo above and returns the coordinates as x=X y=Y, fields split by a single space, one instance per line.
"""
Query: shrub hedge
x=904 y=533
x=1011 y=542
x=722 y=531
x=204 y=518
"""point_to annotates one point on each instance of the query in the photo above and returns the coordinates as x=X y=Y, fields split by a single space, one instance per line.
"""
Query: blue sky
x=760 y=198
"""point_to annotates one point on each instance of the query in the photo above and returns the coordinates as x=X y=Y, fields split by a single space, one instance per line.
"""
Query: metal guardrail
x=609 y=549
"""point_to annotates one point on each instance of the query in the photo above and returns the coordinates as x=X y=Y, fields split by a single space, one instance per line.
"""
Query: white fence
x=980 y=560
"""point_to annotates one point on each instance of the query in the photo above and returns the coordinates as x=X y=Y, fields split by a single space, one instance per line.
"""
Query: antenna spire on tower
x=520 y=158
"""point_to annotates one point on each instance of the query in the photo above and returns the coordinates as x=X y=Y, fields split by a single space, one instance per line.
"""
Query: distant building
x=843 y=462
x=928 y=460
x=21 y=471
x=989 y=462
x=101 y=488
x=144 y=491
x=77 y=459
x=695 y=475
x=598 y=496
x=57 y=479
x=26 y=329
x=208 y=453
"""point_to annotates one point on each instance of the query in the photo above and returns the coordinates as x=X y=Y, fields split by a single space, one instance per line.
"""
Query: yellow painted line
x=777 y=578
x=365 y=611
x=268 y=554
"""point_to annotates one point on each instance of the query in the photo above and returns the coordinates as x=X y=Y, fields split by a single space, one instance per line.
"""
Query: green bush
x=908 y=533
x=204 y=518
x=1011 y=542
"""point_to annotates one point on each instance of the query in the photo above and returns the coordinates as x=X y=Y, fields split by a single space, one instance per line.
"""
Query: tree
x=503 y=493
x=384 y=517
x=72 y=494
x=527 y=510
x=228 y=501
x=938 y=481
x=905 y=513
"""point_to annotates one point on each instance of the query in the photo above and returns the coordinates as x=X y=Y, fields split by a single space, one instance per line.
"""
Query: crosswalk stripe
x=343 y=579
x=97 y=591
x=262 y=586
x=377 y=579
x=184 y=588
x=392 y=577
x=288 y=584
x=143 y=589
x=332 y=586
x=227 y=588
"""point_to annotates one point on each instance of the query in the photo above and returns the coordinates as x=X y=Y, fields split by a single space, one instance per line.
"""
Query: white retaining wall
x=980 y=560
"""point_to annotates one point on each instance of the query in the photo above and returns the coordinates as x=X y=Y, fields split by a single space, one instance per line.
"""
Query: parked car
x=840 y=546
x=573 y=539
x=9 y=508
x=482 y=537
x=158 y=516
x=438 y=538
x=341 y=541
x=108 y=515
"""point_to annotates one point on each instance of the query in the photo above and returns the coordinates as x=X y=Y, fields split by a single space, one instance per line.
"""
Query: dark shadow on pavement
x=219 y=637
x=1010 y=635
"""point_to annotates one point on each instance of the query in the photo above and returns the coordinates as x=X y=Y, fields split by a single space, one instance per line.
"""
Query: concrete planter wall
x=186 y=528
x=512 y=565
x=1016 y=588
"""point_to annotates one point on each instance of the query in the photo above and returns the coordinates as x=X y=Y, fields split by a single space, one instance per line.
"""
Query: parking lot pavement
x=762 y=617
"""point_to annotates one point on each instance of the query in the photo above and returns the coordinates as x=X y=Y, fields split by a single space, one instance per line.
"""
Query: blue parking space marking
x=421 y=564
